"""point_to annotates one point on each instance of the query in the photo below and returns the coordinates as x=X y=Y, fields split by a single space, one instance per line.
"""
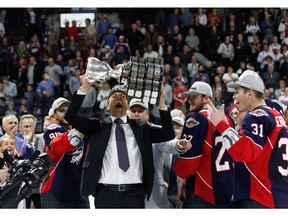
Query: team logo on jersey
x=77 y=155
x=53 y=126
x=258 y=113
x=191 y=122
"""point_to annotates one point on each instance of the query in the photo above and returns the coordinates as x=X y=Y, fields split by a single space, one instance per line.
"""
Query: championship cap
x=199 y=87
x=118 y=88
x=137 y=101
x=56 y=104
x=178 y=116
x=249 y=79
x=284 y=101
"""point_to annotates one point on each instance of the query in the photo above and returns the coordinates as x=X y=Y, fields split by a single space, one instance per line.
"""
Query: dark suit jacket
x=98 y=132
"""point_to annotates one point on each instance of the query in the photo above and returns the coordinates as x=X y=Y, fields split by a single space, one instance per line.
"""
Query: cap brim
x=233 y=85
x=138 y=104
x=284 y=101
x=190 y=93
x=178 y=120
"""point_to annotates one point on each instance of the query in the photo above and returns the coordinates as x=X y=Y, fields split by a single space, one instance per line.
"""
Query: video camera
x=25 y=179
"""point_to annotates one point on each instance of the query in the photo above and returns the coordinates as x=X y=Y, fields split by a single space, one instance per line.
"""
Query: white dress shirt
x=111 y=172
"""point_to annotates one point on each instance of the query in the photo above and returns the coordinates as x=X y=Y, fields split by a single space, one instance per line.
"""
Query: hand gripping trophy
x=141 y=77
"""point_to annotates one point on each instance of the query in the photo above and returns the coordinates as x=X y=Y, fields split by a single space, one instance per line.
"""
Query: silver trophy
x=142 y=77
x=99 y=71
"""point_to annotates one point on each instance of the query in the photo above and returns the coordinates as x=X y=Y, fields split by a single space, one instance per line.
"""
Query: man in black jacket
x=112 y=186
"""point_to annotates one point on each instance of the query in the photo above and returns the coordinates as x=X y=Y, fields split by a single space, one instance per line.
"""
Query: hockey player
x=66 y=147
x=206 y=167
x=259 y=149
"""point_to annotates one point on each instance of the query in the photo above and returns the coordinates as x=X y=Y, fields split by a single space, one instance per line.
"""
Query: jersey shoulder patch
x=258 y=113
x=53 y=126
x=191 y=122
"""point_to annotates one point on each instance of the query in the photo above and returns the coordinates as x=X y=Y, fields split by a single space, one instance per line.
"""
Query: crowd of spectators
x=214 y=45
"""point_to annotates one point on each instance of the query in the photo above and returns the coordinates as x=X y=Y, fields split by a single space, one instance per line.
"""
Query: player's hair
x=258 y=95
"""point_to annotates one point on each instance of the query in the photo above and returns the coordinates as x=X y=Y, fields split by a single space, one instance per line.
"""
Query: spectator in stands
x=30 y=94
x=173 y=20
x=271 y=77
x=168 y=91
x=35 y=47
x=106 y=55
x=186 y=19
x=73 y=46
x=241 y=48
x=151 y=36
x=283 y=29
x=267 y=28
x=218 y=85
x=160 y=46
x=121 y=30
x=120 y=57
x=280 y=91
x=30 y=23
x=252 y=29
x=180 y=101
x=109 y=39
x=20 y=78
x=34 y=72
x=23 y=108
x=121 y=43
x=102 y=97
x=192 y=40
x=180 y=76
x=214 y=40
x=185 y=55
x=54 y=71
x=168 y=73
x=176 y=65
x=73 y=31
x=74 y=82
x=261 y=58
x=134 y=38
x=6 y=50
x=201 y=75
x=192 y=67
x=10 y=126
x=22 y=51
x=103 y=26
x=3 y=107
x=178 y=43
x=10 y=90
x=3 y=13
x=226 y=52
x=228 y=77
x=90 y=33
x=64 y=31
x=150 y=52
x=201 y=13
x=214 y=18
x=169 y=55
x=140 y=27
x=64 y=49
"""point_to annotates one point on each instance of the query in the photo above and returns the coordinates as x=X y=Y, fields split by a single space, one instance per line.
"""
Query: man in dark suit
x=102 y=177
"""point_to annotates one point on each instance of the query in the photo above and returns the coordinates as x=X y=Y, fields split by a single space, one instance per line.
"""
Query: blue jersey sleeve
x=195 y=130
x=52 y=131
x=257 y=125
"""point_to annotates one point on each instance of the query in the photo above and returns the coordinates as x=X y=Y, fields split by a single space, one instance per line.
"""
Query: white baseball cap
x=137 y=101
x=178 y=116
x=249 y=79
x=199 y=87
x=56 y=104
x=284 y=101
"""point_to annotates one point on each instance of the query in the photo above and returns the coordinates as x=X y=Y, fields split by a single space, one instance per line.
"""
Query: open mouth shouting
x=118 y=104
